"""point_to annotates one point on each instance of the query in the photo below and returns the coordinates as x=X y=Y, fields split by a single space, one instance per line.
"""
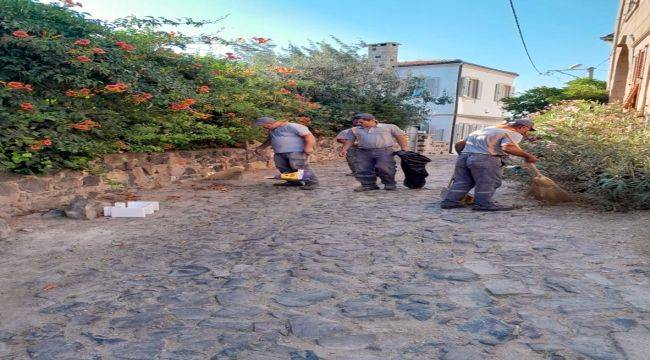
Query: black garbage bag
x=414 y=167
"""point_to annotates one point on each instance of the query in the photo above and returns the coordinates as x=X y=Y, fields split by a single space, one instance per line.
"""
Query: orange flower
x=99 y=51
x=84 y=92
x=285 y=70
x=313 y=105
x=82 y=42
x=71 y=93
x=284 y=91
x=20 y=34
x=292 y=83
x=81 y=127
x=86 y=125
x=15 y=85
x=83 y=58
x=142 y=97
x=27 y=87
x=172 y=34
x=189 y=102
x=124 y=46
x=261 y=40
x=117 y=87
x=40 y=143
x=204 y=89
x=27 y=106
x=179 y=107
x=168 y=146
x=120 y=144
x=231 y=56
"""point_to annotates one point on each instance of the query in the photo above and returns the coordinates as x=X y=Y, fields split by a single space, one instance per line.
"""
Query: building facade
x=474 y=91
x=629 y=80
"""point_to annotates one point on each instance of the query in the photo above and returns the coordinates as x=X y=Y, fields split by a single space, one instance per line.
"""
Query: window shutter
x=479 y=89
x=464 y=86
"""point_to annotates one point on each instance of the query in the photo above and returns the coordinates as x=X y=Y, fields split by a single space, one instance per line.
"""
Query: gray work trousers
x=479 y=171
x=370 y=163
x=351 y=158
x=294 y=161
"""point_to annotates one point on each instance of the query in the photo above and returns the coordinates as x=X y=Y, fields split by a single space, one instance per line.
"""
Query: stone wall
x=21 y=195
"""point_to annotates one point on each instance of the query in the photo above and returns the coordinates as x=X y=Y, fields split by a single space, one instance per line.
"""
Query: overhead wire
x=521 y=36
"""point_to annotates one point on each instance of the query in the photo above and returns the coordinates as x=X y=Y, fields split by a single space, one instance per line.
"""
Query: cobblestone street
x=259 y=272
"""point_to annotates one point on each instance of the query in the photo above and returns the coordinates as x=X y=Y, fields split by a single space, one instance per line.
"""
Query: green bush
x=539 y=98
x=600 y=151
x=73 y=89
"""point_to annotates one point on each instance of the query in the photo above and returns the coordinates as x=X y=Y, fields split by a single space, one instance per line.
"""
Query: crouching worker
x=480 y=160
x=292 y=144
x=374 y=156
x=352 y=151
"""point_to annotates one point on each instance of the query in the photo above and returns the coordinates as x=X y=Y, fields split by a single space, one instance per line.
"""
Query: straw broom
x=545 y=189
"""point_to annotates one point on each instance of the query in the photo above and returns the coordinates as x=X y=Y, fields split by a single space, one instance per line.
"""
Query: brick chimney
x=383 y=55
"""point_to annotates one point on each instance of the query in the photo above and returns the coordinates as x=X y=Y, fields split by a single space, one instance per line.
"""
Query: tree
x=586 y=89
x=539 y=98
x=338 y=77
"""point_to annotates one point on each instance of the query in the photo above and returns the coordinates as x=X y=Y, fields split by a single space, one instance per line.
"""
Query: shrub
x=600 y=151
x=73 y=89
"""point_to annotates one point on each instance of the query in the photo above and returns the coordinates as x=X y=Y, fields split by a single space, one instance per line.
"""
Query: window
x=630 y=6
x=432 y=85
x=429 y=84
x=471 y=88
x=502 y=91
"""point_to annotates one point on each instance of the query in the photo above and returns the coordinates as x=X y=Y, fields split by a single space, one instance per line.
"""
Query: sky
x=559 y=33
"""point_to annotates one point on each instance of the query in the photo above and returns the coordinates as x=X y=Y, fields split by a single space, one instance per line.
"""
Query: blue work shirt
x=288 y=138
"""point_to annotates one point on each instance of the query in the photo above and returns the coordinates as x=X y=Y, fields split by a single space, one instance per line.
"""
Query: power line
x=521 y=36
x=602 y=62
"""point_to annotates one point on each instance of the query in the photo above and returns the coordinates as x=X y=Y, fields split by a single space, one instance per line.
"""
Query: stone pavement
x=258 y=272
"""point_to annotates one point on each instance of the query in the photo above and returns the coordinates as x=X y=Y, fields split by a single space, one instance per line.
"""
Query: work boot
x=366 y=188
x=447 y=206
x=289 y=183
x=390 y=187
x=495 y=208
x=310 y=186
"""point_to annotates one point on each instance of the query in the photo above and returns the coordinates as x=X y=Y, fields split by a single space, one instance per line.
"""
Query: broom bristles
x=545 y=189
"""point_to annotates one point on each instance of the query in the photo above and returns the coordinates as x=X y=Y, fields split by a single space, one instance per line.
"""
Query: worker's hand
x=531 y=159
x=308 y=151
x=343 y=152
x=406 y=148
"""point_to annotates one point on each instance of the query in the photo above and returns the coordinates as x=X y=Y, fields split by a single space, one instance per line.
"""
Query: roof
x=608 y=37
x=448 y=61
x=384 y=43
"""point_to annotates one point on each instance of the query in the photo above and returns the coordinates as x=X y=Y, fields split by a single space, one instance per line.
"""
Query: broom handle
x=533 y=168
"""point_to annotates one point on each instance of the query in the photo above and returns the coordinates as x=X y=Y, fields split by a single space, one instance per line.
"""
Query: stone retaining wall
x=21 y=195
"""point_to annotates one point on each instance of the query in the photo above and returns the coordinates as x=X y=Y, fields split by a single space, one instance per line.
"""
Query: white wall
x=441 y=116
x=485 y=106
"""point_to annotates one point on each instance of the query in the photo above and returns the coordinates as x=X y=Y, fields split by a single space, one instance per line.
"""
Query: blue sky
x=559 y=33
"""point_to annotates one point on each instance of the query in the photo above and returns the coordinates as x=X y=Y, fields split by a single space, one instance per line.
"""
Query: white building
x=475 y=92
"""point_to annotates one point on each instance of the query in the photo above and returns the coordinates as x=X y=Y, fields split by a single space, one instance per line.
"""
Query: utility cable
x=521 y=36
